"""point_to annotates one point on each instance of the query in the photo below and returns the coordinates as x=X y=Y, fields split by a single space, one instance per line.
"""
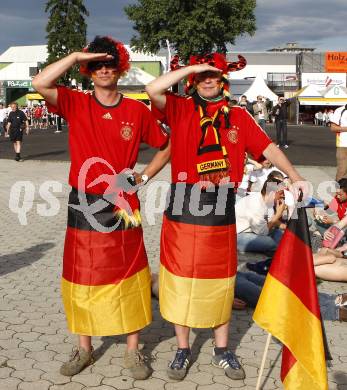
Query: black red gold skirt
x=106 y=284
x=198 y=258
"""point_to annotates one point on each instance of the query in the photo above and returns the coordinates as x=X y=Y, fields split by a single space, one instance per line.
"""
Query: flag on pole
x=288 y=308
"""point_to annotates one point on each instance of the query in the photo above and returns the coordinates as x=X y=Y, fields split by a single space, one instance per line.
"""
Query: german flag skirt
x=198 y=257
x=106 y=284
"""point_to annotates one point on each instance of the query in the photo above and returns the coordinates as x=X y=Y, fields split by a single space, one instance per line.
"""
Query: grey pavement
x=33 y=335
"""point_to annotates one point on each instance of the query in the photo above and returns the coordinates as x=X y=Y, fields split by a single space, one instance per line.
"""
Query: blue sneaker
x=178 y=368
x=228 y=361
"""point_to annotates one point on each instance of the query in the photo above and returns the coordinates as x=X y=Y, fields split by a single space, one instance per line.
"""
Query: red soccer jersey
x=38 y=112
x=111 y=134
x=339 y=207
x=244 y=135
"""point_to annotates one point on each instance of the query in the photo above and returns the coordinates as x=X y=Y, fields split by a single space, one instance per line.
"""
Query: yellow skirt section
x=110 y=309
x=281 y=313
x=197 y=303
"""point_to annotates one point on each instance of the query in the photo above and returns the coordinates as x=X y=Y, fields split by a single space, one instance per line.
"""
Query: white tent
x=335 y=91
x=335 y=95
x=259 y=87
x=310 y=90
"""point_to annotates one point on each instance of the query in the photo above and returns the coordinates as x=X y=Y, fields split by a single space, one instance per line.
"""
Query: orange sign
x=336 y=61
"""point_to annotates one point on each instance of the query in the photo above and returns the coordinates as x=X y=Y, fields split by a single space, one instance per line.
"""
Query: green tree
x=66 y=32
x=191 y=26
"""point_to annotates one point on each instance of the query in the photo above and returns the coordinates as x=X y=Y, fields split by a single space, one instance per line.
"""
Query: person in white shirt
x=325 y=117
x=260 y=173
x=330 y=116
x=257 y=231
x=261 y=114
x=339 y=126
x=319 y=118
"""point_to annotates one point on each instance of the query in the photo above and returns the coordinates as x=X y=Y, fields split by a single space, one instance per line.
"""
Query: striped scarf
x=212 y=160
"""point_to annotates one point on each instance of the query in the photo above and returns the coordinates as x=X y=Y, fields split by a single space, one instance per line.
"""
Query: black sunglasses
x=97 y=65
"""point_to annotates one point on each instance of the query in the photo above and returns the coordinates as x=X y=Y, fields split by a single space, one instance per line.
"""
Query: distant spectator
x=330 y=115
x=318 y=118
x=280 y=112
x=325 y=118
x=17 y=122
x=37 y=116
x=244 y=103
x=3 y=116
x=260 y=112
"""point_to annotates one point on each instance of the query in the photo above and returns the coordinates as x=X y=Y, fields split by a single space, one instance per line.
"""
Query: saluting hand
x=83 y=58
x=204 y=68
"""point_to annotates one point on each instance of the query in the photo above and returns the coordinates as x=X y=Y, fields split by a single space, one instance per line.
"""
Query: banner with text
x=336 y=61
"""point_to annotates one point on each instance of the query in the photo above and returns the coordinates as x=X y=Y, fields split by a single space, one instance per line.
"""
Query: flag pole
x=266 y=350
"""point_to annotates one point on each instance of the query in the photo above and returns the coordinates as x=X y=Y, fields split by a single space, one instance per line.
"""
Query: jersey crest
x=127 y=131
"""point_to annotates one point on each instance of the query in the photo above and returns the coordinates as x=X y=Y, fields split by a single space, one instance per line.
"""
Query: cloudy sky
x=312 y=23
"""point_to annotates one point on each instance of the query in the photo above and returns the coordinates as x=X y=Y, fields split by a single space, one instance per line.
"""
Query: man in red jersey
x=198 y=246
x=106 y=285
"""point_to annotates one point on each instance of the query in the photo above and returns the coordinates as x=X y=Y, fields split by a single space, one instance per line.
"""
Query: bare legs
x=132 y=341
x=329 y=265
x=17 y=146
x=221 y=335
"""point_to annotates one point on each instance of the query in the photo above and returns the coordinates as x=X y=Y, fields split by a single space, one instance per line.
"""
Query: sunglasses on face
x=97 y=65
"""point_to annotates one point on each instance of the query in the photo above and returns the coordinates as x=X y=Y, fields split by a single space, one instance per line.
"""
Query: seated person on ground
x=248 y=288
x=331 y=264
x=244 y=187
x=260 y=174
x=336 y=210
x=259 y=229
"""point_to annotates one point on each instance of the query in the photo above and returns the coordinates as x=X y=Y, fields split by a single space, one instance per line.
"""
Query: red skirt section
x=92 y=258
x=196 y=251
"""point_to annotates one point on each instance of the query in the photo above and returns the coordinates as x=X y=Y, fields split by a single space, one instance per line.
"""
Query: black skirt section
x=189 y=203
x=77 y=217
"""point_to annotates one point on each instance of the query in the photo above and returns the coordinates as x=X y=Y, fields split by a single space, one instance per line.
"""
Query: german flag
x=198 y=258
x=288 y=308
x=106 y=284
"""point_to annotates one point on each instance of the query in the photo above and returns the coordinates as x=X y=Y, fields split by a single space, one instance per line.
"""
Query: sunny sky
x=311 y=23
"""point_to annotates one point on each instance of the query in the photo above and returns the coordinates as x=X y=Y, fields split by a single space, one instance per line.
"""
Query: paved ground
x=33 y=336
x=309 y=145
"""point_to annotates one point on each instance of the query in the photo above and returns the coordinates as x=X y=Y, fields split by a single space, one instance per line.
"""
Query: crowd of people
x=264 y=112
x=323 y=118
x=16 y=120
x=106 y=280
x=37 y=115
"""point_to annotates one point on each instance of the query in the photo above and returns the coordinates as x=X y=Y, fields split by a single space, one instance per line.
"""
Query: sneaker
x=178 y=368
x=79 y=359
x=228 y=361
x=285 y=146
x=135 y=361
